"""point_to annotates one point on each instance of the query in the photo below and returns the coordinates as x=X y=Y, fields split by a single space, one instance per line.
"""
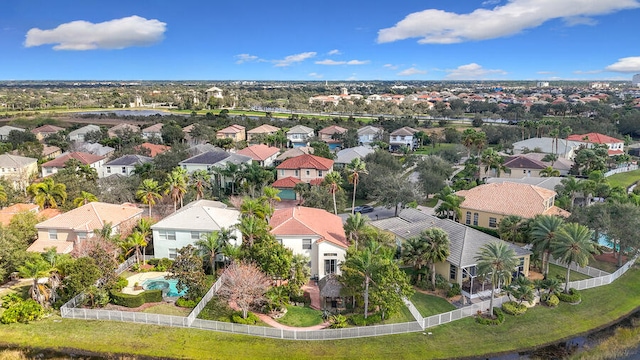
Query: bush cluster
x=486 y=321
x=22 y=311
x=551 y=300
x=455 y=290
x=572 y=297
x=160 y=264
x=134 y=301
x=513 y=308
x=338 y=321
x=118 y=285
x=251 y=319
x=359 y=320
x=182 y=302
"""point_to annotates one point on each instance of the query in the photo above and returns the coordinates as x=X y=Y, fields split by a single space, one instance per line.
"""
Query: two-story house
x=299 y=135
x=263 y=155
x=616 y=146
x=262 y=130
x=315 y=233
x=215 y=158
x=6 y=129
x=403 y=137
x=369 y=134
x=153 y=132
x=53 y=166
x=190 y=224
x=331 y=135
x=78 y=134
x=305 y=168
x=124 y=165
x=44 y=131
x=18 y=170
x=235 y=132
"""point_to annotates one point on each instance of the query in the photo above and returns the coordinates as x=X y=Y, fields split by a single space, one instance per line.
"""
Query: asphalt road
x=378 y=213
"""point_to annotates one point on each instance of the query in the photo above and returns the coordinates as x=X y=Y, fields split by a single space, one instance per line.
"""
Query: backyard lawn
x=299 y=316
x=428 y=150
x=167 y=309
x=624 y=179
x=555 y=270
x=402 y=316
x=430 y=305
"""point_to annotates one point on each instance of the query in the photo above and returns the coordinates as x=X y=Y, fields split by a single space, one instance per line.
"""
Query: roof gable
x=306 y=161
x=302 y=220
x=259 y=152
x=92 y=216
x=84 y=158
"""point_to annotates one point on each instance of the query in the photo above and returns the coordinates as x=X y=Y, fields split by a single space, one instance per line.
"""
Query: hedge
x=134 y=301
x=359 y=320
x=513 y=308
x=497 y=321
x=572 y=297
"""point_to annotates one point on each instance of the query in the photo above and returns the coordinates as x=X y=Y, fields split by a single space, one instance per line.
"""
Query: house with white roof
x=345 y=156
x=5 y=130
x=404 y=136
x=78 y=134
x=369 y=134
x=299 y=135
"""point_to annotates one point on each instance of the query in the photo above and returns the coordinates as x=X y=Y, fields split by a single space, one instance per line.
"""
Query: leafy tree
x=272 y=257
x=573 y=245
x=543 y=233
x=394 y=190
x=243 y=284
x=497 y=261
x=433 y=172
x=322 y=149
x=188 y=270
x=79 y=275
x=172 y=133
x=48 y=193
x=148 y=192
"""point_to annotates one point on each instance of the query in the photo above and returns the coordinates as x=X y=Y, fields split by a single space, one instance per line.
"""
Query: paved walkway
x=314 y=294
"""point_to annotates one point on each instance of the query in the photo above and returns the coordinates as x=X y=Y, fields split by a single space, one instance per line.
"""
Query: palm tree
x=413 y=253
x=570 y=186
x=84 y=199
x=35 y=269
x=148 y=193
x=436 y=244
x=200 y=179
x=498 y=261
x=543 y=235
x=449 y=204
x=47 y=193
x=252 y=228
x=138 y=241
x=468 y=137
x=509 y=228
x=364 y=263
x=210 y=244
x=573 y=245
x=3 y=194
x=549 y=171
x=270 y=194
x=334 y=179
x=355 y=226
x=255 y=207
x=493 y=161
x=354 y=169
x=176 y=186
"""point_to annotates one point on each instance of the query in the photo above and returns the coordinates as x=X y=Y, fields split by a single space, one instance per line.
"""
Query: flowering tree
x=244 y=284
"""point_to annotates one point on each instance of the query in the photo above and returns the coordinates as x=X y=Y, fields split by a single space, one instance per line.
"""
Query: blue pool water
x=168 y=286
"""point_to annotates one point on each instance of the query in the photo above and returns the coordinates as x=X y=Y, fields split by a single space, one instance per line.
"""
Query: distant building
x=542 y=84
x=79 y=134
x=635 y=81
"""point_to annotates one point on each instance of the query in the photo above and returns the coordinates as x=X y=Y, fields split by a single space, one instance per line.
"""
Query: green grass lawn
x=624 y=179
x=428 y=150
x=430 y=305
x=167 y=309
x=462 y=338
x=301 y=316
x=402 y=316
x=555 y=270
x=603 y=265
x=21 y=288
x=431 y=202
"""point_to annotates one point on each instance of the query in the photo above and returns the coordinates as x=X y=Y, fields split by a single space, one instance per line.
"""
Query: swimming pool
x=168 y=286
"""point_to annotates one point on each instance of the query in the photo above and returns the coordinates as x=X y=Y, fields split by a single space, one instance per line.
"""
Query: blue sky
x=329 y=40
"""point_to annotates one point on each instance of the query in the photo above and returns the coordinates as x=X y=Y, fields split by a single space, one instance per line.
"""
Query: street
x=378 y=213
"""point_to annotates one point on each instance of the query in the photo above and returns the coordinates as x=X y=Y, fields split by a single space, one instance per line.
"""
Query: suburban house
x=18 y=170
x=464 y=245
x=190 y=224
x=265 y=130
x=369 y=134
x=6 y=214
x=315 y=233
x=344 y=157
x=5 y=130
x=263 y=155
x=485 y=205
x=154 y=149
x=286 y=185
x=53 y=166
x=124 y=165
x=331 y=135
x=234 y=132
x=67 y=231
x=96 y=149
x=153 y=132
x=548 y=183
x=305 y=168
x=214 y=92
x=50 y=152
x=122 y=128
x=44 y=131
x=403 y=137
x=78 y=134
x=530 y=165
x=290 y=153
x=616 y=146
x=299 y=135
x=546 y=145
x=210 y=159
x=201 y=149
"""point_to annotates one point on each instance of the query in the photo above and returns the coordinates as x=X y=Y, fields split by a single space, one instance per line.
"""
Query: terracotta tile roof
x=306 y=161
x=233 y=129
x=263 y=129
x=47 y=129
x=155 y=128
x=286 y=183
x=92 y=216
x=62 y=247
x=615 y=152
x=49 y=149
x=316 y=182
x=595 y=138
x=84 y=158
x=333 y=129
x=523 y=162
x=154 y=149
x=507 y=198
x=259 y=152
x=7 y=213
x=300 y=220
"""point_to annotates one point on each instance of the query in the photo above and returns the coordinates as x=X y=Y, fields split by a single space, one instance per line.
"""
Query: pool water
x=168 y=286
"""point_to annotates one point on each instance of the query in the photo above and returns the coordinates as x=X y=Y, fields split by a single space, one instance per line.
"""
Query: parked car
x=363 y=209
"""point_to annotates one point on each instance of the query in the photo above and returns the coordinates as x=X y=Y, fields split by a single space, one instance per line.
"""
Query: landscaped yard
x=167 y=309
x=624 y=179
x=428 y=150
x=430 y=305
x=219 y=310
x=402 y=316
x=555 y=270
x=301 y=316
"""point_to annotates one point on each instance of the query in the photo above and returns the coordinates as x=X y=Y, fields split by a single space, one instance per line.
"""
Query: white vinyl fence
x=587 y=270
x=621 y=170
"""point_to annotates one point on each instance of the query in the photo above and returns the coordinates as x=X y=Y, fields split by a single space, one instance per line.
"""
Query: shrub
x=338 y=321
x=10 y=299
x=163 y=264
x=22 y=311
x=552 y=300
x=251 y=319
x=442 y=283
x=424 y=284
x=134 y=301
x=572 y=297
x=118 y=285
x=182 y=302
x=513 y=308
x=455 y=290
x=486 y=321
x=359 y=320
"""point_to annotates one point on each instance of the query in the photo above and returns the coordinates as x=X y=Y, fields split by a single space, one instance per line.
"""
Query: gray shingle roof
x=129 y=160
x=207 y=158
x=299 y=129
x=202 y=215
x=346 y=155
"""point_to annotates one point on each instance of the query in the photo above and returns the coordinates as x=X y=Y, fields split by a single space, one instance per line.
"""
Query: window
x=475 y=219
x=308 y=172
x=53 y=234
x=492 y=222
x=195 y=235
x=166 y=235
x=468 y=219
x=453 y=272
x=319 y=173
x=329 y=266
x=173 y=253
x=124 y=170
x=306 y=244
x=297 y=173
x=330 y=254
x=49 y=170
x=281 y=172
x=108 y=169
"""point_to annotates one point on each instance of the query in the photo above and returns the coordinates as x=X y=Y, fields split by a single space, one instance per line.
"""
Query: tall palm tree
x=449 y=204
x=176 y=186
x=252 y=228
x=543 y=234
x=509 y=228
x=334 y=179
x=549 y=171
x=210 y=244
x=413 y=253
x=148 y=193
x=436 y=243
x=468 y=138
x=498 y=261
x=270 y=194
x=138 y=242
x=35 y=269
x=354 y=169
x=48 y=193
x=255 y=207
x=570 y=186
x=84 y=199
x=573 y=245
x=200 y=180
x=492 y=160
x=143 y=226
x=355 y=225
x=364 y=263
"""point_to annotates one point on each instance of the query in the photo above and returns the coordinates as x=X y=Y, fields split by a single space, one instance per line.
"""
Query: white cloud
x=391 y=66
x=113 y=34
x=587 y=71
x=441 y=27
x=471 y=71
x=342 y=62
x=315 y=75
x=334 y=52
x=411 y=71
x=626 y=65
x=243 y=58
x=490 y=2
x=296 y=58
x=545 y=72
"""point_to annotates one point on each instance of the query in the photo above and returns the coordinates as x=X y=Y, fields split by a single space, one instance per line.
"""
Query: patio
x=140 y=278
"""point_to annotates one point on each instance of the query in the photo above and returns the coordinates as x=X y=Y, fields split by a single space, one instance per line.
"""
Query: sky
x=329 y=40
